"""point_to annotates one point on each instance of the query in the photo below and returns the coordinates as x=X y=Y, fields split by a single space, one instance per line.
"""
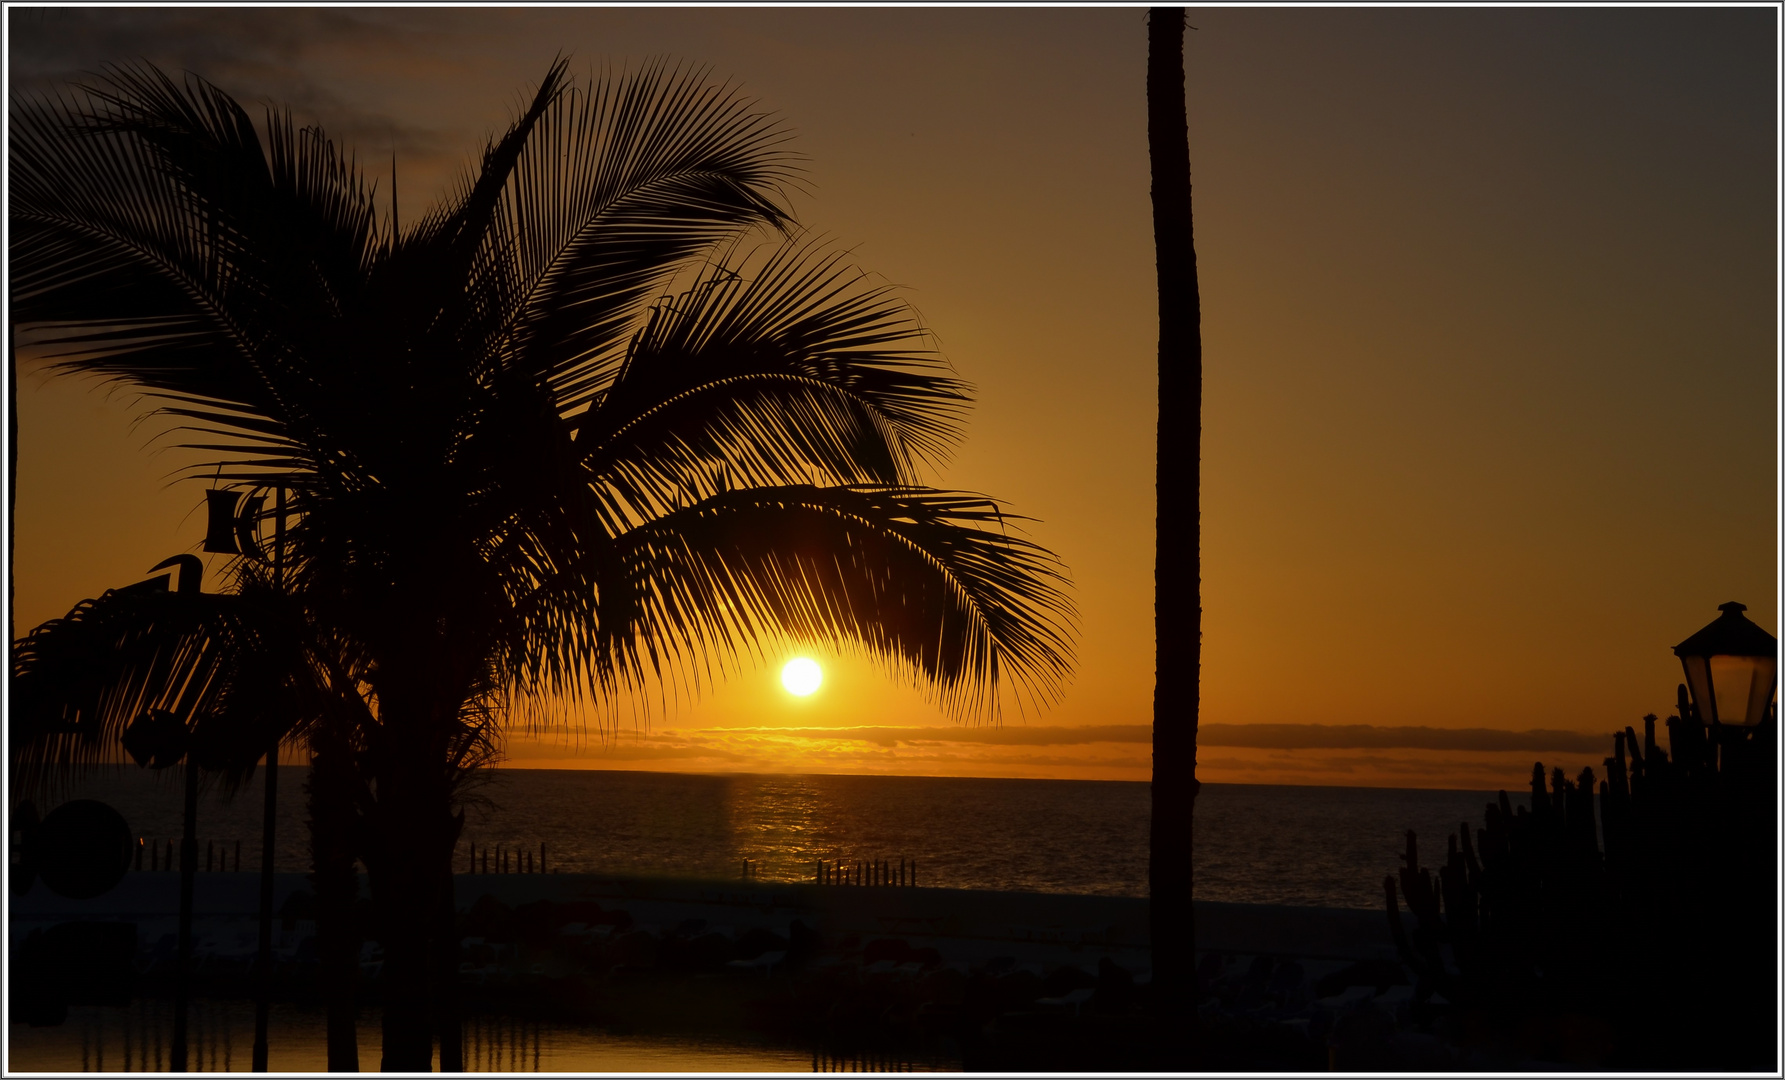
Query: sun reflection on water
x=777 y=823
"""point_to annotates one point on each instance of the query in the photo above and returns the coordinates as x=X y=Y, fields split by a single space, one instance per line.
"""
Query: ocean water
x=1316 y=846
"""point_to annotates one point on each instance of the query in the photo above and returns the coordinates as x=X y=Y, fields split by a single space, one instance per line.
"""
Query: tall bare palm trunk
x=1177 y=574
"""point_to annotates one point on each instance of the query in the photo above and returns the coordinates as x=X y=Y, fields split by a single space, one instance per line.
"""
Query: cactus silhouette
x=1647 y=919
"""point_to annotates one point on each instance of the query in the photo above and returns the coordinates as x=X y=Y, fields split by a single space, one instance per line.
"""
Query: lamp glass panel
x=1698 y=681
x=220 y=533
x=1744 y=687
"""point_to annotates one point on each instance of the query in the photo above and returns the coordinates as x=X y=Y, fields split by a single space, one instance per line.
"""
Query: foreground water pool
x=137 y=1039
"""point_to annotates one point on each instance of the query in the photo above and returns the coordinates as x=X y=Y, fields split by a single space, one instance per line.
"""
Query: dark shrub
x=879 y=949
x=490 y=919
x=1065 y=979
x=753 y=943
x=632 y=948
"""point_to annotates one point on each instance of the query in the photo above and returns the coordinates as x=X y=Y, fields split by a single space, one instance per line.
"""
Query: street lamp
x=233 y=522
x=1732 y=668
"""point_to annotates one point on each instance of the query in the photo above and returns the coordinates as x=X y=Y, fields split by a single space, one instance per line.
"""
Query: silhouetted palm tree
x=208 y=681
x=518 y=476
x=1177 y=574
x=223 y=674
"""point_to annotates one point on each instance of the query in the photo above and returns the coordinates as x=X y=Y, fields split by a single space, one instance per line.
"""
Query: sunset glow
x=1425 y=443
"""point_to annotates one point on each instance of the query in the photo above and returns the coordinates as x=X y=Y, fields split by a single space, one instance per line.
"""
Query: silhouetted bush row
x=1640 y=937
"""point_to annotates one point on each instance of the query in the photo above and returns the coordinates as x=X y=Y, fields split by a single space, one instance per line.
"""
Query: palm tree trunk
x=332 y=851
x=446 y=966
x=403 y=891
x=408 y=1032
x=263 y=977
x=1177 y=574
x=188 y=879
x=409 y=857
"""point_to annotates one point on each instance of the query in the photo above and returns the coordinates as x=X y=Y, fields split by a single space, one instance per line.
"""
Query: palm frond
x=439 y=280
x=623 y=180
x=78 y=681
x=227 y=667
x=794 y=368
x=931 y=583
x=158 y=241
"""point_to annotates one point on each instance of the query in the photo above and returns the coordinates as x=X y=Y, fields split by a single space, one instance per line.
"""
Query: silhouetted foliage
x=556 y=439
x=163 y=673
x=1655 y=951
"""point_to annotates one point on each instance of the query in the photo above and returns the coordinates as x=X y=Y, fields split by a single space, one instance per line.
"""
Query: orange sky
x=1491 y=362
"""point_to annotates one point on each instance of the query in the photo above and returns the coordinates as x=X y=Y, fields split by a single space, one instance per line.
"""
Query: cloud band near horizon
x=1254 y=736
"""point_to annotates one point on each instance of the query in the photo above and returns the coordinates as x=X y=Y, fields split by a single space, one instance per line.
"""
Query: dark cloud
x=257 y=55
x=256 y=44
x=69 y=45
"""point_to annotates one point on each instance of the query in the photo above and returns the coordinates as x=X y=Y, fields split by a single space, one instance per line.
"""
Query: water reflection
x=502 y=1044
x=137 y=1039
x=706 y=826
x=778 y=823
x=871 y=1061
x=515 y=1044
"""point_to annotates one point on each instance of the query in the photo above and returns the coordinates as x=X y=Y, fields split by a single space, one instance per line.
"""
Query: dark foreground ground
x=881 y=978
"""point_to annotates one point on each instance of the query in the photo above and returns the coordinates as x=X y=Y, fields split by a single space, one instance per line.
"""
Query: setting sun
x=801 y=676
